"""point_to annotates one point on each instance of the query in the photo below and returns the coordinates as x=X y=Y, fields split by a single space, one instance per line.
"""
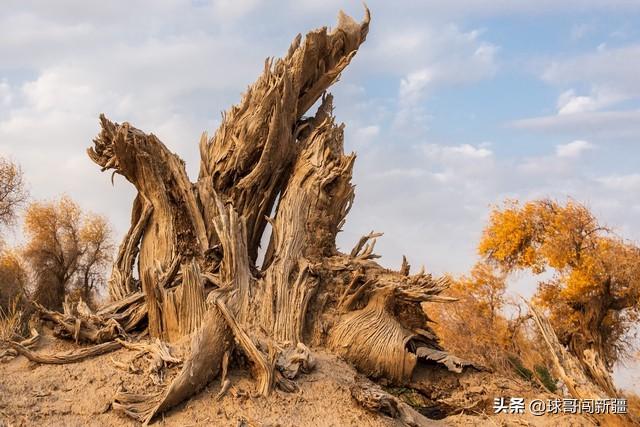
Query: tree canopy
x=67 y=250
x=12 y=191
x=593 y=295
x=13 y=278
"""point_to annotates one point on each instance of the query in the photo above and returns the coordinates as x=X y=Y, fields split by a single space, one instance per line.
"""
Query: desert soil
x=80 y=395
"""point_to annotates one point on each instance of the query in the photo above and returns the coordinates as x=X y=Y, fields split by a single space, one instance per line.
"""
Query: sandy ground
x=80 y=395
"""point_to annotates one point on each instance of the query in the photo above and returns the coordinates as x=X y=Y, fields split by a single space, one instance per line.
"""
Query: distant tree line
x=66 y=253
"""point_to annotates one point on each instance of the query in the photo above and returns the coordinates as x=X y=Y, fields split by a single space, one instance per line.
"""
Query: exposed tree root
x=157 y=349
x=294 y=361
x=120 y=304
x=121 y=283
x=226 y=384
x=354 y=298
x=127 y=367
x=72 y=356
x=374 y=341
x=28 y=343
x=208 y=347
x=373 y=398
x=386 y=337
x=113 y=321
x=451 y=362
x=263 y=367
x=141 y=407
x=353 y=284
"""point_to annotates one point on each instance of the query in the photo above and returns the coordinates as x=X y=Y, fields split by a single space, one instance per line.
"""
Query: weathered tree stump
x=187 y=266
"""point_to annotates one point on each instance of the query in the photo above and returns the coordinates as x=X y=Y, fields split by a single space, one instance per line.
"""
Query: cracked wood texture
x=195 y=245
x=246 y=163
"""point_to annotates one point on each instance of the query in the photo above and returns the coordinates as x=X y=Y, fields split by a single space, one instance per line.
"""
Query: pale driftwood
x=295 y=360
x=207 y=348
x=373 y=398
x=28 y=343
x=351 y=301
x=357 y=276
x=450 y=361
x=566 y=365
x=305 y=236
x=263 y=367
x=226 y=384
x=406 y=267
x=121 y=282
x=31 y=342
x=364 y=250
x=72 y=356
x=83 y=329
x=374 y=340
x=156 y=348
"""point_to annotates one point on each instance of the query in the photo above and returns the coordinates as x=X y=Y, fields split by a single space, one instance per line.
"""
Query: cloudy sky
x=452 y=107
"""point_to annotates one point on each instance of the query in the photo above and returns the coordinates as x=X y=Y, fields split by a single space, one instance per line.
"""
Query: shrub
x=545 y=378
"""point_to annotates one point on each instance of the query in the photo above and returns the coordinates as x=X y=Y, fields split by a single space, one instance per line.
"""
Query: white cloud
x=607 y=78
x=413 y=86
x=609 y=71
x=598 y=65
x=573 y=149
x=430 y=200
x=59 y=90
x=599 y=98
x=404 y=173
x=460 y=9
x=596 y=125
x=429 y=54
x=568 y=103
x=471 y=151
x=454 y=153
x=436 y=54
x=627 y=183
x=233 y=9
x=426 y=58
x=561 y=165
x=5 y=93
x=364 y=136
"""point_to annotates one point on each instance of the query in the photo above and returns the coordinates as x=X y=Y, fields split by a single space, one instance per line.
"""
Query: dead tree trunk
x=566 y=365
x=195 y=245
x=586 y=343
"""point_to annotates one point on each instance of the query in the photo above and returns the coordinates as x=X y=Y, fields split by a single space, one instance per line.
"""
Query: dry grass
x=10 y=320
x=633 y=404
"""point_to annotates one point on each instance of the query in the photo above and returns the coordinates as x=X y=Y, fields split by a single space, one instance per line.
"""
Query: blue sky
x=451 y=106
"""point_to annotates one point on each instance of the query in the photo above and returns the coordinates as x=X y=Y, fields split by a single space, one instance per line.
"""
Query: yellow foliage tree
x=13 y=278
x=67 y=250
x=474 y=326
x=593 y=297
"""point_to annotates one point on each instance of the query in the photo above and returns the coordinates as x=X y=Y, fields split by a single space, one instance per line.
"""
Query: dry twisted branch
x=72 y=356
